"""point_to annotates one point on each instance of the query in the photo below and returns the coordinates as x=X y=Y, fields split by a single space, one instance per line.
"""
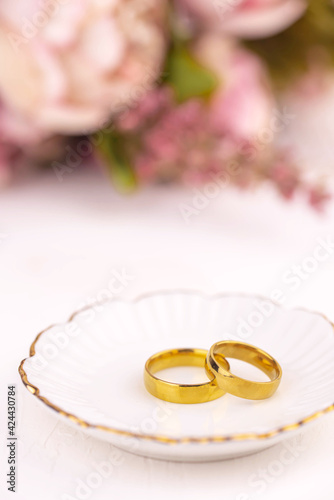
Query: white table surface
x=60 y=242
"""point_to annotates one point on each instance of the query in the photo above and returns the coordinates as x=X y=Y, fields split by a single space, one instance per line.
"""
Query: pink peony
x=245 y=18
x=22 y=144
x=66 y=65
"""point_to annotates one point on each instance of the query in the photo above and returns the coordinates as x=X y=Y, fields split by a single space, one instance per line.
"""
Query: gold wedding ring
x=182 y=393
x=238 y=386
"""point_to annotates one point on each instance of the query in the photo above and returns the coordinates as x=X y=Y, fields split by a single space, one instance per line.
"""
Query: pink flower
x=14 y=135
x=66 y=65
x=318 y=197
x=285 y=177
x=223 y=139
x=21 y=142
x=245 y=18
x=195 y=140
x=243 y=102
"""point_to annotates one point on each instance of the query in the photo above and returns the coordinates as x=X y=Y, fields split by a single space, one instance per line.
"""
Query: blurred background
x=234 y=92
x=164 y=144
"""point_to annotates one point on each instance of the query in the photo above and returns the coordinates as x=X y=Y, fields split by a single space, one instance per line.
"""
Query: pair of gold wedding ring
x=217 y=368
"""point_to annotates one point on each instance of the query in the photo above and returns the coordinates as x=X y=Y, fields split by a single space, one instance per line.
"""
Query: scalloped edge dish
x=162 y=439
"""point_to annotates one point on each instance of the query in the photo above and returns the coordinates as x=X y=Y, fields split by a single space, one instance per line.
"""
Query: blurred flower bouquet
x=186 y=91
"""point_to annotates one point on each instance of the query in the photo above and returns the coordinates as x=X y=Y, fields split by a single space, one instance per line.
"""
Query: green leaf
x=187 y=76
x=113 y=151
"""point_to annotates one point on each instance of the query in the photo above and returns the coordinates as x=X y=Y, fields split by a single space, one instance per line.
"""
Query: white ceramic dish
x=90 y=372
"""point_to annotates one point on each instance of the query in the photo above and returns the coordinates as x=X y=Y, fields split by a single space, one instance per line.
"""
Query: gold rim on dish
x=159 y=438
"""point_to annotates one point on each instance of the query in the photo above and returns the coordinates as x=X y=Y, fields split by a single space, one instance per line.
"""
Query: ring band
x=238 y=386
x=181 y=393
